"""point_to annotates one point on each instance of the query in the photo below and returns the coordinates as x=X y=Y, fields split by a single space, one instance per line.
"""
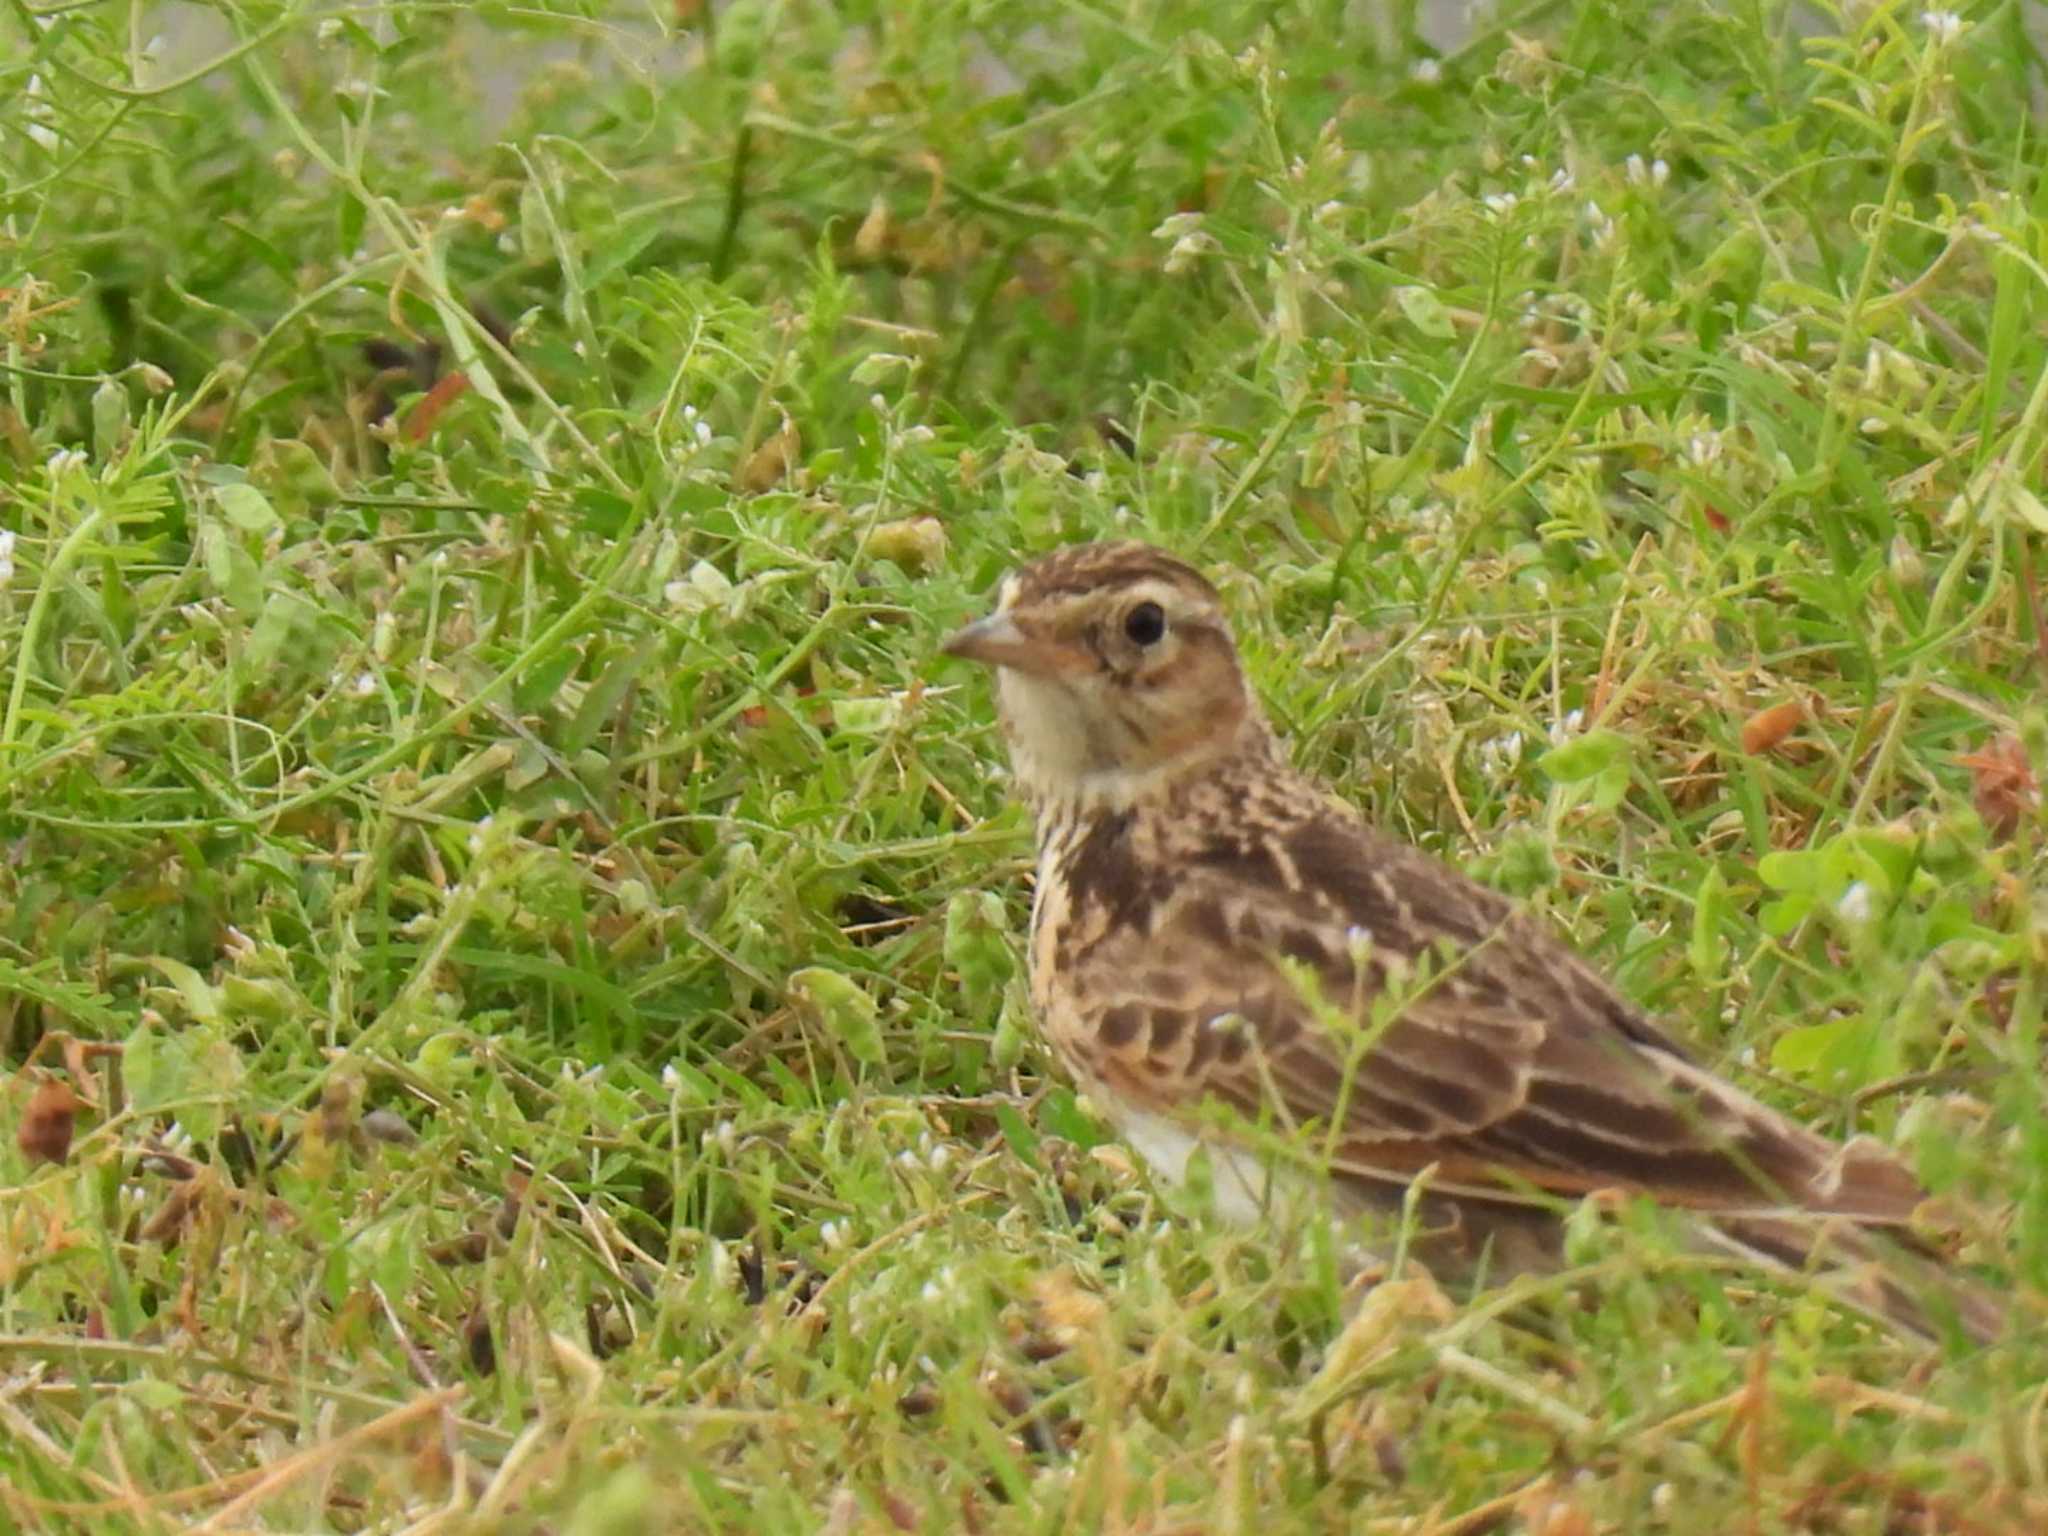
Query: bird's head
x=1116 y=674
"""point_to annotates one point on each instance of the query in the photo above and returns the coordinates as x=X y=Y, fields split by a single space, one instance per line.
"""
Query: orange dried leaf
x=167 y=1225
x=2002 y=783
x=871 y=241
x=45 y=1133
x=1768 y=727
x=767 y=465
x=420 y=420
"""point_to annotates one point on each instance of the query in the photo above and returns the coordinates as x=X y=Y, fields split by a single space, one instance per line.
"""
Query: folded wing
x=1395 y=1016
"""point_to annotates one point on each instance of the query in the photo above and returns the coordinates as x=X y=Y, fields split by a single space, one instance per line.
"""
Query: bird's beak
x=999 y=641
x=995 y=641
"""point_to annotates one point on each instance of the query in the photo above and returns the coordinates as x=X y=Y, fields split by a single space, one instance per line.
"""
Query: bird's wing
x=1395 y=1016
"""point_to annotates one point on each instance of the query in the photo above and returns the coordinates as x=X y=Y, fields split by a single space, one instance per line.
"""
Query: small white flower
x=476 y=834
x=364 y=685
x=1638 y=173
x=1855 y=904
x=702 y=432
x=1177 y=226
x=1187 y=250
x=671 y=1079
x=1945 y=26
x=1426 y=72
x=1659 y=173
x=1500 y=202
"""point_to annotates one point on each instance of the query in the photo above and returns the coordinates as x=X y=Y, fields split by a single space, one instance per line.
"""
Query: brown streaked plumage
x=1212 y=928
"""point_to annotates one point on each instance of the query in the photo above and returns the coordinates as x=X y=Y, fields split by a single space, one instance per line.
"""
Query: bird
x=1229 y=961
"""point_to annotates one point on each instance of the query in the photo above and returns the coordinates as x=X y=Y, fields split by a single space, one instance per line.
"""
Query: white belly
x=1241 y=1183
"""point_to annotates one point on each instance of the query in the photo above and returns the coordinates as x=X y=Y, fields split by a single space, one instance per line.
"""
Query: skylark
x=1225 y=957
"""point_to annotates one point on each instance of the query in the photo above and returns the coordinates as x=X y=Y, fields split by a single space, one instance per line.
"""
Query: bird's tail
x=1885 y=1272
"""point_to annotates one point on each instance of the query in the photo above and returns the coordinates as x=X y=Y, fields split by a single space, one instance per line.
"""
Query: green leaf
x=1060 y=1115
x=1709 y=911
x=845 y=1010
x=1582 y=757
x=1790 y=870
x=1018 y=1133
x=1846 y=1053
x=1611 y=785
x=1800 y=1051
x=245 y=507
x=978 y=947
x=155 y=1394
x=602 y=702
x=866 y=717
x=1779 y=918
x=268 y=635
x=201 y=998
x=539 y=688
x=1421 y=308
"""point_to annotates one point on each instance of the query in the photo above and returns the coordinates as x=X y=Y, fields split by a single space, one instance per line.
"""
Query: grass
x=524 y=932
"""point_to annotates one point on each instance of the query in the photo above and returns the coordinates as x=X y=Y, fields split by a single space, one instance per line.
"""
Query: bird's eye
x=1145 y=623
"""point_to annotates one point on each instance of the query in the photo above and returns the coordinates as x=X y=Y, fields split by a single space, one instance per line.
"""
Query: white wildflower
x=37 y=113
x=1177 y=226
x=1187 y=250
x=1499 y=756
x=1573 y=723
x=1426 y=71
x=1944 y=26
x=1856 y=903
